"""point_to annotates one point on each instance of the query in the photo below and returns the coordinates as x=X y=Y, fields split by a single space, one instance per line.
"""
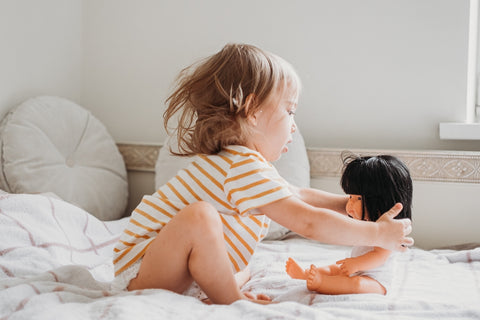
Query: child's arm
x=321 y=199
x=331 y=227
x=368 y=261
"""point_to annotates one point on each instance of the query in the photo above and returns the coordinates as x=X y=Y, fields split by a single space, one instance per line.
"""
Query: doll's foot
x=314 y=279
x=294 y=270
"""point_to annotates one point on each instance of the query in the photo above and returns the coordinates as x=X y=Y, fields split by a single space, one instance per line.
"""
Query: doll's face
x=354 y=207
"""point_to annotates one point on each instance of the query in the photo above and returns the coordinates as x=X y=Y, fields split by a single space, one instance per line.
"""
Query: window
x=470 y=128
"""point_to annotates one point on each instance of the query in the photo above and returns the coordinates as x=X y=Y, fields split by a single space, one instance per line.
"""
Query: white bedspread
x=55 y=263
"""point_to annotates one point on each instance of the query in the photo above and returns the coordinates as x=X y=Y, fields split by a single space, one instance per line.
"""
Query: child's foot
x=294 y=270
x=314 y=279
x=259 y=298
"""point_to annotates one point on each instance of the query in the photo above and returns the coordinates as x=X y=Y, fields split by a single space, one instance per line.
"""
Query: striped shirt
x=235 y=181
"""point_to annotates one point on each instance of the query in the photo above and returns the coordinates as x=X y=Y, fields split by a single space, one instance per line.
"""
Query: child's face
x=354 y=206
x=274 y=124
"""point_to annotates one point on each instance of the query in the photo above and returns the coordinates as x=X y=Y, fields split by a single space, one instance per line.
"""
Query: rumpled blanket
x=56 y=263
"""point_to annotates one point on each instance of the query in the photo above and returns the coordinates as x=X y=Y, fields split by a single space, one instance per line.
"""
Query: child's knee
x=204 y=216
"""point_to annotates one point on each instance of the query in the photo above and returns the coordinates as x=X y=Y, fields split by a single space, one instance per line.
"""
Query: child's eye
x=291 y=113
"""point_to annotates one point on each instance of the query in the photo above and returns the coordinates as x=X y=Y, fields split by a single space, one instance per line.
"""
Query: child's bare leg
x=242 y=277
x=341 y=284
x=294 y=270
x=190 y=247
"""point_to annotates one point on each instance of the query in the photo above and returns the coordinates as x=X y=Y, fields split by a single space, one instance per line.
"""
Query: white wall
x=40 y=50
x=376 y=73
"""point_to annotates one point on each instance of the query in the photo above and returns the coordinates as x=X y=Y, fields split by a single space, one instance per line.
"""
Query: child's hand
x=347 y=266
x=393 y=233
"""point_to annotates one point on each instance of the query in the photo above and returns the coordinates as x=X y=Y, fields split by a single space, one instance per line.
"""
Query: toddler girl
x=374 y=185
x=234 y=111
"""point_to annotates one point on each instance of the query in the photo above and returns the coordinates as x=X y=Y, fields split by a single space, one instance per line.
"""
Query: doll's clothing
x=382 y=274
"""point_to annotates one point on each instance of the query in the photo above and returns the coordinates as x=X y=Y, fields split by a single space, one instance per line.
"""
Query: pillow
x=293 y=166
x=50 y=144
x=167 y=164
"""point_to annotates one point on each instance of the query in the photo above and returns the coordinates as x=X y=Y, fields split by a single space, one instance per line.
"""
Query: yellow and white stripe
x=235 y=181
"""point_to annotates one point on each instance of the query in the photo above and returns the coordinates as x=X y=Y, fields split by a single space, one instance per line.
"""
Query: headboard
x=446 y=187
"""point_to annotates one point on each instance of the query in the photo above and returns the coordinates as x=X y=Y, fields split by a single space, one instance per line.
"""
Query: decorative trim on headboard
x=139 y=157
x=445 y=166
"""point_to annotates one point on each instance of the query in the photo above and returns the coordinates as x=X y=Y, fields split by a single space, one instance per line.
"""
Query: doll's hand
x=347 y=266
x=393 y=232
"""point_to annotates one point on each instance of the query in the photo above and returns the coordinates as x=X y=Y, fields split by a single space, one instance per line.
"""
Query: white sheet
x=55 y=263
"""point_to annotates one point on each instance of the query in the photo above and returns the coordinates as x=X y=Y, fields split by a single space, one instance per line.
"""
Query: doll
x=374 y=185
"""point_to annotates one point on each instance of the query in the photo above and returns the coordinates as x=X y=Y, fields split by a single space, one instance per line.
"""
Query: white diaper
x=120 y=283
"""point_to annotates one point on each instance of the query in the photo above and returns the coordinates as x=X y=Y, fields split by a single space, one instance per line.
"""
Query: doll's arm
x=369 y=260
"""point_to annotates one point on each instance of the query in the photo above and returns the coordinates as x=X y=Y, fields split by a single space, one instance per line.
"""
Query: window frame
x=470 y=128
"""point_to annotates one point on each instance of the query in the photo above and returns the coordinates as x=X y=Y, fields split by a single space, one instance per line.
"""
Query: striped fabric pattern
x=236 y=182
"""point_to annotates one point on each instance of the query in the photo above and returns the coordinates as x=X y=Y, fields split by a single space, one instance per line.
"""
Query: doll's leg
x=294 y=270
x=330 y=270
x=190 y=247
x=341 y=284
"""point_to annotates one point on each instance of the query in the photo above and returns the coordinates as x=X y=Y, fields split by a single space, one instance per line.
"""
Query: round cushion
x=50 y=144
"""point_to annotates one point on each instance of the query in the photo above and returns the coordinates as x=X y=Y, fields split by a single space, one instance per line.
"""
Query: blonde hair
x=210 y=97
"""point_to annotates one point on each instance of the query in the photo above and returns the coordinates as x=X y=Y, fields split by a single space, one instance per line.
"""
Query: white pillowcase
x=50 y=144
x=167 y=164
x=293 y=166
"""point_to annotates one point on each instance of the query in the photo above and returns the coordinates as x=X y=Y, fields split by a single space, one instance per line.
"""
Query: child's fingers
x=260 y=296
x=407 y=226
x=407 y=242
x=249 y=295
x=264 y=297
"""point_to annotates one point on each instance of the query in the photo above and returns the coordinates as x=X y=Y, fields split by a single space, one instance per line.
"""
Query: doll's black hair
x=381 y=180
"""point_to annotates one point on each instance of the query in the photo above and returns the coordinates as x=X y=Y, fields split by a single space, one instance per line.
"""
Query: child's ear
x=249 y=105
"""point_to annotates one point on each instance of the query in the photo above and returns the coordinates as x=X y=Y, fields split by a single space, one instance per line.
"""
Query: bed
x=56 y=263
